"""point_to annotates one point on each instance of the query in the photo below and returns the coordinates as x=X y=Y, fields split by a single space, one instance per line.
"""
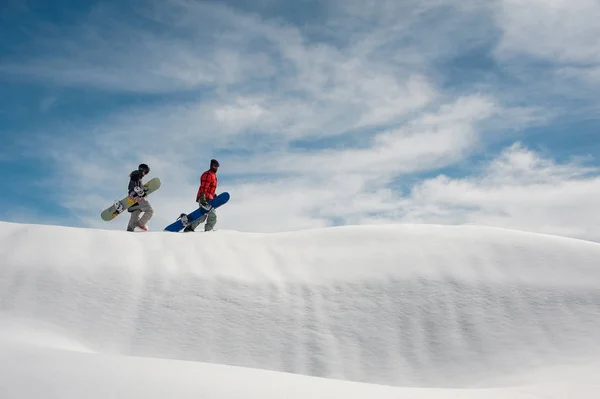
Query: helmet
x=144 y=168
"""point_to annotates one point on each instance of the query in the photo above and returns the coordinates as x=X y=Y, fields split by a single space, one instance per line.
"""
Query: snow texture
x=402 y=305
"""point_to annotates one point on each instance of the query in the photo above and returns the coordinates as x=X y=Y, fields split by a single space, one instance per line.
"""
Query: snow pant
x=210 y=218
x=136 y=209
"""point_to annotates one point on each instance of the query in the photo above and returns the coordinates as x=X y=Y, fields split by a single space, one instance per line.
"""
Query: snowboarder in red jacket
x=206 y=192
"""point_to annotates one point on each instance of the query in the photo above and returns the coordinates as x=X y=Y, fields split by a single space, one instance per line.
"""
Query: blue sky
x=321 y=113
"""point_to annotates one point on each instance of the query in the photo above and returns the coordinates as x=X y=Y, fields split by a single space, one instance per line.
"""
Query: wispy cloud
x=557 y=30
x=119 y=50
x=318 y=123
x=519 y=189
x=429 y=141
x=551 y=45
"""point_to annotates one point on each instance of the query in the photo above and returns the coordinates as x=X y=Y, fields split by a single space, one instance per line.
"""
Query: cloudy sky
x=321 y=113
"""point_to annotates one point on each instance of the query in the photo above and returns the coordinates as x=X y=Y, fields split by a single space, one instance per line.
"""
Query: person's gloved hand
x=204 y=203
x=202 y=200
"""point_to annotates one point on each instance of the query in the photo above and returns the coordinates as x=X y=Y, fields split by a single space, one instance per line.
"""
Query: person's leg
x=211 y=220
x=148 y=212
x=133 y=219
x=193 y=226
x=202 y=219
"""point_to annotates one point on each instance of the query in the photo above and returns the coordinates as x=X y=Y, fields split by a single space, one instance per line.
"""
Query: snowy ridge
x=408 y=305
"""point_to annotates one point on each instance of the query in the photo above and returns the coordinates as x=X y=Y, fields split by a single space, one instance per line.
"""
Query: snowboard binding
x=119 y=207
x=184 y=219
x=140 y=191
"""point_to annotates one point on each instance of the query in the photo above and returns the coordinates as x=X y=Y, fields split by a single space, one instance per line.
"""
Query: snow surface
x=415 y=311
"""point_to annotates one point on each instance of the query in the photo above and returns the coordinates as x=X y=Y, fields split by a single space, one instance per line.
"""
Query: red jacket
x=208 y=185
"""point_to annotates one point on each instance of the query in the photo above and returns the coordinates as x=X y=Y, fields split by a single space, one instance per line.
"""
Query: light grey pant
x=210 y=218
x=135 y=220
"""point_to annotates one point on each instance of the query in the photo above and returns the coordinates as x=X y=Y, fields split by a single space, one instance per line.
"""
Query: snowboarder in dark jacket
x=135 y=189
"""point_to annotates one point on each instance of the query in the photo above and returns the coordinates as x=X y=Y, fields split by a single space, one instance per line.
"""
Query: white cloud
x=259 y=75
x=589 y=74
x=107 y=52
x=519 y=189
x=429 y=141
x=560 y=33
x=293 y=196
x=370 y=104
x=416 y=35
x=326 y=186
x=554 y=30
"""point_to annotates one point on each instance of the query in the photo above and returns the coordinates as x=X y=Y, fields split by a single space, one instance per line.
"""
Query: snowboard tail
x=121 y=206
x=187 y=219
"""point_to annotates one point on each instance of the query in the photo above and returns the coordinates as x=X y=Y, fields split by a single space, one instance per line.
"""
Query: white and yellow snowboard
x=120 y=206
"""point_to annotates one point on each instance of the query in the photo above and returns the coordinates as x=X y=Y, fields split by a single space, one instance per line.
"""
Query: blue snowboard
x=180 y=223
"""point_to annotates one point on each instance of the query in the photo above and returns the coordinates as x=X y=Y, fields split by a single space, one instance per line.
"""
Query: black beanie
x=214 y=162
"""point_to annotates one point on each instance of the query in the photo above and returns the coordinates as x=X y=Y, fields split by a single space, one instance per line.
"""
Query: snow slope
x=405 y=306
